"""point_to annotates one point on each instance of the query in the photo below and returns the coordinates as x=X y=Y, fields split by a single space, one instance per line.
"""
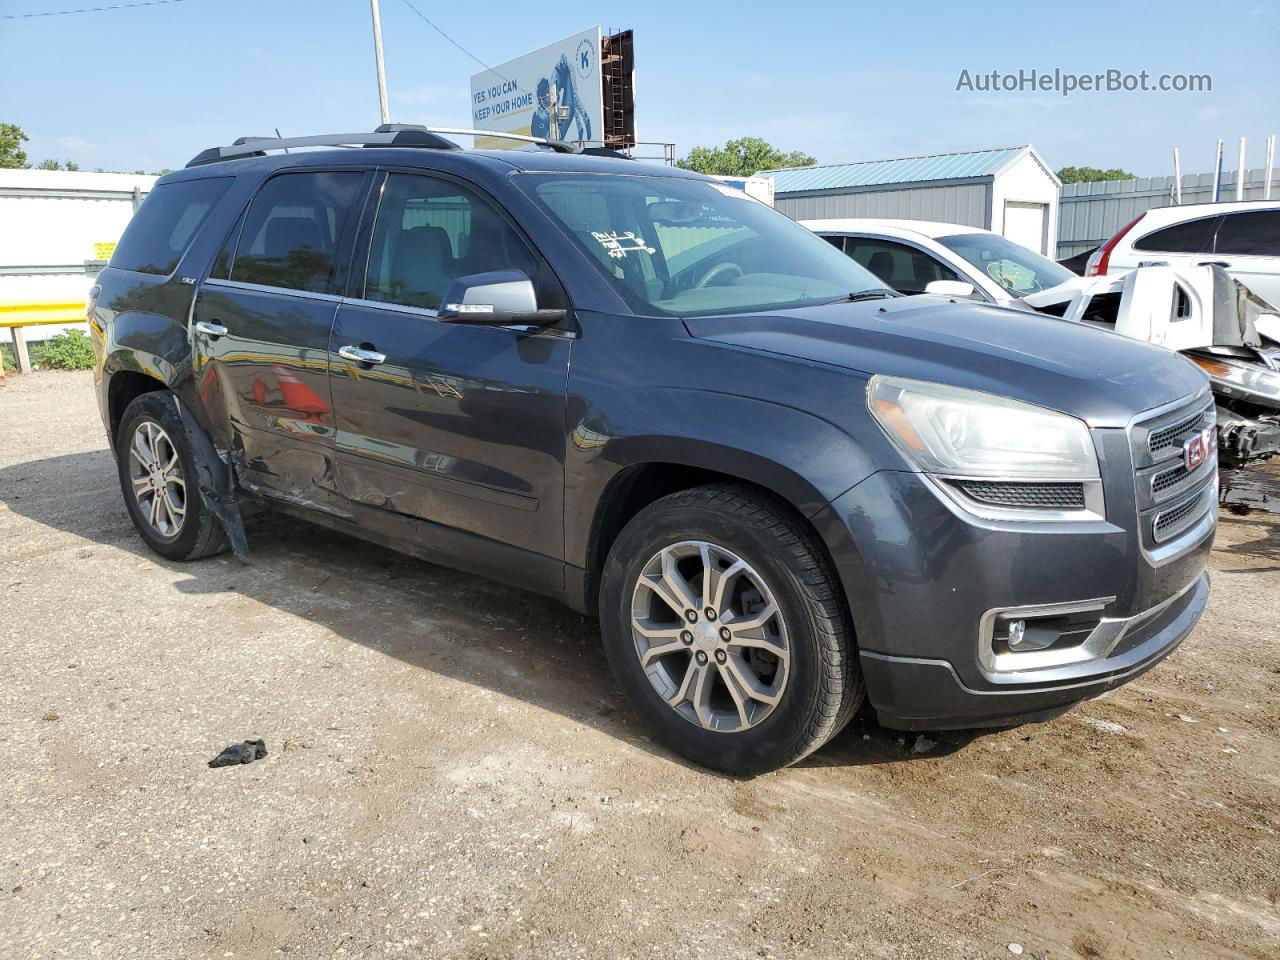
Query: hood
x=1097 y=376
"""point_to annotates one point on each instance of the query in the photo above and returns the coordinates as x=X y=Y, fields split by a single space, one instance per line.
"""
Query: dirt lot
x=452 y=773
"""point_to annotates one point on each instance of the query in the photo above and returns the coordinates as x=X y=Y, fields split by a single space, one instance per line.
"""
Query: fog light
x=1031 y=638
x=1017 y=634
x=1019 y=638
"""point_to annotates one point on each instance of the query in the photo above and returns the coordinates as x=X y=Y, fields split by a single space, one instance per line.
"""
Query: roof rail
x=386 y=135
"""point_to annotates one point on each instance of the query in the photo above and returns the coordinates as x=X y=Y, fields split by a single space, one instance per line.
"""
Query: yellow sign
x=103 y=251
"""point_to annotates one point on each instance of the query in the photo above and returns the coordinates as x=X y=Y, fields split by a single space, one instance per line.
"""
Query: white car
x=1199 y=311
x=910 y=255
x=1242 y=238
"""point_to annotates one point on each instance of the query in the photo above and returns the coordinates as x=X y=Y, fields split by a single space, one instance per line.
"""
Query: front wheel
x=726 y=626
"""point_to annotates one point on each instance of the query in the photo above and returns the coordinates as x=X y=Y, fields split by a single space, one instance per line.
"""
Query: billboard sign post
x=555 y=92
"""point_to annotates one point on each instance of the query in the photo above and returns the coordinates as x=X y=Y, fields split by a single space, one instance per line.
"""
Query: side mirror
x=949 y=288
x=499 y=298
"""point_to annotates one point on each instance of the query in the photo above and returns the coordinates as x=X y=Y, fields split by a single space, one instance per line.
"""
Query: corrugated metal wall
x=1089 y=213
x=955 y=203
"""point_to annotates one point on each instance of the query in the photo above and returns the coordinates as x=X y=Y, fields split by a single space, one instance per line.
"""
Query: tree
x=1089 y=174
x=742 y=158
x=12 y=156
x=48 y=165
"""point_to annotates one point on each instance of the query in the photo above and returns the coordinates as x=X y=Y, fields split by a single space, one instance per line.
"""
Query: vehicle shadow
x=1264 y=546
x=468 y=628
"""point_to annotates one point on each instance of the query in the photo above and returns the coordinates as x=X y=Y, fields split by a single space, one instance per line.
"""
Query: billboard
x=555 y=92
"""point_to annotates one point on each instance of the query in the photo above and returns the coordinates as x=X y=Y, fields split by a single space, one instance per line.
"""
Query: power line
x=102 y=9
x=450 y=39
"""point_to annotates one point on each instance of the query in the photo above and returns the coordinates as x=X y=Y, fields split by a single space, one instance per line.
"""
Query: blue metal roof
x=943 y=166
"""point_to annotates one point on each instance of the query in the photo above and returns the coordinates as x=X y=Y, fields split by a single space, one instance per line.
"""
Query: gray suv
x=784 y=489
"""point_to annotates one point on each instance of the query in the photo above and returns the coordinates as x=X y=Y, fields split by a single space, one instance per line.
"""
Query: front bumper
x=926 y=581
x=915 y=693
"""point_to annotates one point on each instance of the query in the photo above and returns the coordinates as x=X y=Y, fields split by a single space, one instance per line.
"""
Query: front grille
x=1169 y=523
x=1171 y=499
x=1050 y=496
x=1173 y=436
x=1169 y=479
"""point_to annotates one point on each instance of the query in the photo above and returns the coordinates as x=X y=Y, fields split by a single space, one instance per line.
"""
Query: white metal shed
x=1010 y=190
x=58 y=229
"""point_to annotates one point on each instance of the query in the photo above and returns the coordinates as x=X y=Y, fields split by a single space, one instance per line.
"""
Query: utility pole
x=1217 y=173
x=1177 y=177
x=377 y=56
x=1271 y=155
x=1240 y=173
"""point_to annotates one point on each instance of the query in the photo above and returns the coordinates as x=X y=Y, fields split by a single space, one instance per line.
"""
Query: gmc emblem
x=1198 y=448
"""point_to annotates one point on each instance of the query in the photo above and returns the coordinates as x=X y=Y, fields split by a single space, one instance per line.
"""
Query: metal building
x=1093 y=212
x=1010 y=190
x=57 y=230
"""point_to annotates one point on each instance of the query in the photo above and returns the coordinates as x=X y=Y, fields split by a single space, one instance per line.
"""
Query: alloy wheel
x=159 y=487
x=710 y=636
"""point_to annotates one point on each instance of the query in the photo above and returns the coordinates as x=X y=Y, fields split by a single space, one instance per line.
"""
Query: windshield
x=689 y=247
x=1014 y=267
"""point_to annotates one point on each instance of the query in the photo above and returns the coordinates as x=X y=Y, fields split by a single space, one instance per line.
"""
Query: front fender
x=801 y=457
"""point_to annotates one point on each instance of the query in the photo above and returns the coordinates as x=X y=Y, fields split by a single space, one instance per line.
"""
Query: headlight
x=1237 y=377
x=966 y=433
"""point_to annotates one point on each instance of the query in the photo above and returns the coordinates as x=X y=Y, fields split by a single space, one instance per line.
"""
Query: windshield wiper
x=882 y=294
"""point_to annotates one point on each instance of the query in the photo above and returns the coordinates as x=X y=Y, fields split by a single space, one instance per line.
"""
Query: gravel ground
x=452 y=773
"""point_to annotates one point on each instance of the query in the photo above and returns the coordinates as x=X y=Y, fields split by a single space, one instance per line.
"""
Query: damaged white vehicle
x=1201 y=312
x=1212 y=319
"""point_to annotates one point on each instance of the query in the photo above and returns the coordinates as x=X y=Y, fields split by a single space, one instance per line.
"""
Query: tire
x=804 y=658
x=195 y=532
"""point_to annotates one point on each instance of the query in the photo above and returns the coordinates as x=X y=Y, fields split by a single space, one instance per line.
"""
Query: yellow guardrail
x=28 y=313
x=33 y=314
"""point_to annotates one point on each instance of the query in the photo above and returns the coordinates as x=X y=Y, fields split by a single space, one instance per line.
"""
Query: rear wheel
x=158 y=479
x=725 y=624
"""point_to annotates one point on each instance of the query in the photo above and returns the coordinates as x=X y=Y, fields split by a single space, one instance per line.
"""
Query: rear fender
x=153 y=345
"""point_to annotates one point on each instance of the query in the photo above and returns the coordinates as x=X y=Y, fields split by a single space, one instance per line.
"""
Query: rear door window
x=1252 y=234
x=165 y=224
x=291 y=230
x=1193 y=236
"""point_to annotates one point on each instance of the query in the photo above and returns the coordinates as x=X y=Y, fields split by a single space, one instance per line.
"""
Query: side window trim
x=235 y=230
x=345 y=251
x=362 y=247
x=267 y=288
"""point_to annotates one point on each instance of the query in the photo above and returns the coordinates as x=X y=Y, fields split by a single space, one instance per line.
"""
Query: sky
x=148 y=88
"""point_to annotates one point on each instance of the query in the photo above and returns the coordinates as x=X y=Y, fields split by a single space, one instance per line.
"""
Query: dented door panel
x=267 y=377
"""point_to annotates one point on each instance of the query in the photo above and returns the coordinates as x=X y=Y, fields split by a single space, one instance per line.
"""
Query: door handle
x=361 y=355
x=1213 y=263
x=211 y=328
